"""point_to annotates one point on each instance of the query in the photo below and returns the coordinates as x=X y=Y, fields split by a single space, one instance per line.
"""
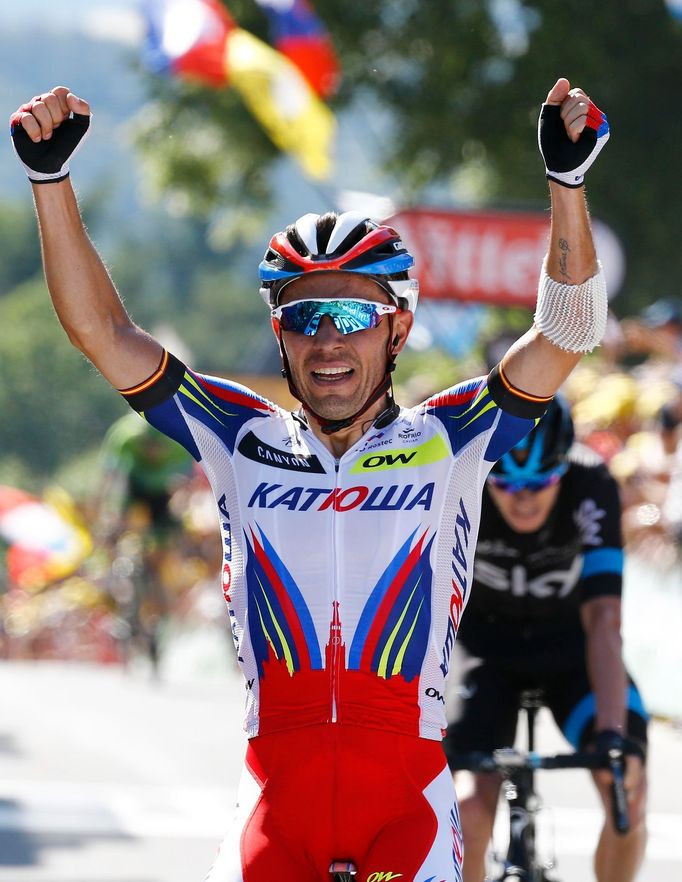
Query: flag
x=298 y=33
x=187 y=38
x=282 y=101
x=47 y=540
x=198 y=39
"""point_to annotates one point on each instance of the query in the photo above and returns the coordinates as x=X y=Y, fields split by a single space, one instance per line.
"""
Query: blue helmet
x=540 y=458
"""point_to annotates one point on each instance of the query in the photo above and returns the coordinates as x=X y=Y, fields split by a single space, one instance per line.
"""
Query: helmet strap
x=384 y=387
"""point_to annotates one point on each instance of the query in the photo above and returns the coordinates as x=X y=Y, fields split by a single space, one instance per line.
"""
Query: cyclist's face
x=336 y=373
x=525 y=511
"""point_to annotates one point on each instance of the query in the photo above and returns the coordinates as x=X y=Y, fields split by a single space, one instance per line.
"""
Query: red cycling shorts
x=331 y=792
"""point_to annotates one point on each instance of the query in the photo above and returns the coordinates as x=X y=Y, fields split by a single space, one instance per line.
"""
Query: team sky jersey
x=345 y=579
x=532 y=585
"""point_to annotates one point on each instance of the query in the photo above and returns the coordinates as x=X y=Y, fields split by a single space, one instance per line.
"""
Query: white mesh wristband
x=572 y=317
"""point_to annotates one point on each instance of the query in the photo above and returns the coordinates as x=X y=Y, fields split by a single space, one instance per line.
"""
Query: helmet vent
x=303 y=234
x=349 y=229
x=275 y=259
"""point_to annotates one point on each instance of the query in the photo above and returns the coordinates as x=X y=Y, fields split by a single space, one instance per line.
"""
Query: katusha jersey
x=345 y=580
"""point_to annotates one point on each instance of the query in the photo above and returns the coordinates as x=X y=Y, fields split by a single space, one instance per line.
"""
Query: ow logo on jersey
x=386 y=460
x=391 y=498
x=424 y=454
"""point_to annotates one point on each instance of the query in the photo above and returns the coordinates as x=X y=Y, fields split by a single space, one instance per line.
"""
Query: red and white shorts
x=310 y=796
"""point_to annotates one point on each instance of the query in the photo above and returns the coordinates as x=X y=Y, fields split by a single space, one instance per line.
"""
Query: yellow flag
x=281 y=100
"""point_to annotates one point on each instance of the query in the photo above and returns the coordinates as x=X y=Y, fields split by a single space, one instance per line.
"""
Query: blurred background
x=215 y=125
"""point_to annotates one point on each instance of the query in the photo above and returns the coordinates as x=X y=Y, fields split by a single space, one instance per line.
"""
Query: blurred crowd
x=627 y=406
x=149 y=560
x=113 y=578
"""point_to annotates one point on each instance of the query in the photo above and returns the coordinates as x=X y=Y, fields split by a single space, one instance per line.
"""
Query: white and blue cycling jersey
x=345 y=579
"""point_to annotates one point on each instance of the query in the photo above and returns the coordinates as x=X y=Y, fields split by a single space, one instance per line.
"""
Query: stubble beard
x=337 y=406
x=330 y=406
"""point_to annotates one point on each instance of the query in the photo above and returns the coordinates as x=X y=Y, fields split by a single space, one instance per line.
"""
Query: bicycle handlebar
x=506 y=761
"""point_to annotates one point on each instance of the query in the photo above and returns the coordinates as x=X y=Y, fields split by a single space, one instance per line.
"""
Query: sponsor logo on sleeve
x=588 y=519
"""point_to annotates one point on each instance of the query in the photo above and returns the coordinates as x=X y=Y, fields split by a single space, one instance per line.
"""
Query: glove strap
x=47 y=162
x=567 y=162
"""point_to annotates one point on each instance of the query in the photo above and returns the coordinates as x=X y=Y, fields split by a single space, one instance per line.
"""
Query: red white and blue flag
x=198 y=39
x=46 y=539
x=298 y=33
x=188 y=38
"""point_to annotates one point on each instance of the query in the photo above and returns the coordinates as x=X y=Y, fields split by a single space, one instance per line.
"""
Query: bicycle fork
x=521 y=800
x=523 y=806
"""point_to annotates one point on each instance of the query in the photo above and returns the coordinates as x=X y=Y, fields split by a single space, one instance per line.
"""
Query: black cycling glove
x=566 y=162
x=46 y=162
x=609 y=739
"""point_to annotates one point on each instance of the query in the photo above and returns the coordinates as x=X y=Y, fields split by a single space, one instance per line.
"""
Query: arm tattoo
x=563 y=260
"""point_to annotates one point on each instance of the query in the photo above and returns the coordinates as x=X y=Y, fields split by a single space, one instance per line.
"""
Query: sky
x=118 y=19
x=115 y=19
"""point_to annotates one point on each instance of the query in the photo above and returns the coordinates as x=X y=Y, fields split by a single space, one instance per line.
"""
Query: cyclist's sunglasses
x=533 y=485
x=349 y=315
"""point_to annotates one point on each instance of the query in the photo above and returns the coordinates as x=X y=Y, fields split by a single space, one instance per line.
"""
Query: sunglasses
x=349 y=315
x=533 y=485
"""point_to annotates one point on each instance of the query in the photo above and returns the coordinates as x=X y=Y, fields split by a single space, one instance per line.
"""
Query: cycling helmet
x=349 y=242
x=542 y=453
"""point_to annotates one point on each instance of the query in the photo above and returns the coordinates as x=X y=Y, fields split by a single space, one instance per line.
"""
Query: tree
x=174 y=278
x=52 y=405
x=55 y=407
x=461 y=81
x=20 y=246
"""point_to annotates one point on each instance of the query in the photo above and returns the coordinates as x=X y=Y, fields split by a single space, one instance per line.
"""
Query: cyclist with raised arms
x=349 y=526
x=545 y=615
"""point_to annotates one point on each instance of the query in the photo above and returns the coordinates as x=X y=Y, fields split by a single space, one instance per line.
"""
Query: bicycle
x=517 y=769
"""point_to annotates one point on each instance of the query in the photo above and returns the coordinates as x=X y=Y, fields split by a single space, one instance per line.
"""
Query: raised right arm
x=84 y=297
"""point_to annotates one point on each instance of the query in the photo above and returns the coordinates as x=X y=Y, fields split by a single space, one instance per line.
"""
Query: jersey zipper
x=335 y=626
x=334 y=653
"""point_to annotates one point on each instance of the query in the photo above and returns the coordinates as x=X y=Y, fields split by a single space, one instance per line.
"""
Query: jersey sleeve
x=598 y=515
x=179 y=402
x=487 y=405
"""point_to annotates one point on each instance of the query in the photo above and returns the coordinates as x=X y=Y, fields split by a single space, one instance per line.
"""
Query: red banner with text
x=486 y=257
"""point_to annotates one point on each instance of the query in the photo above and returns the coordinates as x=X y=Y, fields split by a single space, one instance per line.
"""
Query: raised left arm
x=571 y=313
